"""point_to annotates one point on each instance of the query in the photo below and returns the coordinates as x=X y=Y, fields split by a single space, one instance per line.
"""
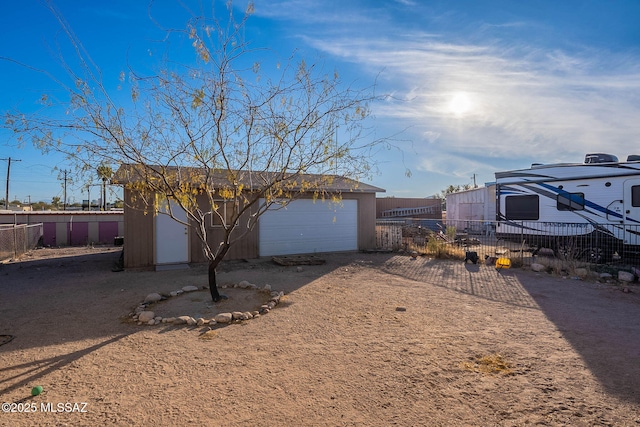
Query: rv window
x=635 y=196
x=522 y=207
x=570 y=202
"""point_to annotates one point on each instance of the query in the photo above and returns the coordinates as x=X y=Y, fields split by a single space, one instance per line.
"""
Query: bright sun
x=460 y=103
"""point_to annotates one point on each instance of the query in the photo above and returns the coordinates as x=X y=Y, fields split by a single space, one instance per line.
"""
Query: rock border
x=143 y=316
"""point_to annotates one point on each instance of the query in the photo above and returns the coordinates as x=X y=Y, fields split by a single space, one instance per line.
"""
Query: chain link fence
x=16 y=240
x=521 y=241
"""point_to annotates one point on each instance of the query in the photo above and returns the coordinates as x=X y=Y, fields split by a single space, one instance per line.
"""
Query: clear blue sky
x=477 y=86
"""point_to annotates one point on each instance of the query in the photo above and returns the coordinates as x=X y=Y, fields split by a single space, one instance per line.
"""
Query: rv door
x=631 y=206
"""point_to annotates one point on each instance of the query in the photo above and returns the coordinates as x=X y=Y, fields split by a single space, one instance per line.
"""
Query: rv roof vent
x=600 y=158
x=633 y=158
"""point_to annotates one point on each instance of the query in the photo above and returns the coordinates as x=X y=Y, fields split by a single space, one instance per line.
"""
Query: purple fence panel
x=49 y=234
x=78 y=233
x=107 y=231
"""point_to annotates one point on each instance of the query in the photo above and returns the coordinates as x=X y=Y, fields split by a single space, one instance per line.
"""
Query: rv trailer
x=591 y=209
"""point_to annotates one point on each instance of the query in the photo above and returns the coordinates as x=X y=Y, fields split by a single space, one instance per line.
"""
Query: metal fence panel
x=524 y=240
x=16 y=240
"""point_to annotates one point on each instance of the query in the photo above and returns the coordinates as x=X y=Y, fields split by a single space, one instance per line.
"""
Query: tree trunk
x=213 y=285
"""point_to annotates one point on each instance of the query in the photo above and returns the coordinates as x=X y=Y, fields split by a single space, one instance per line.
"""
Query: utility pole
x=64 y=202
x=6 y=200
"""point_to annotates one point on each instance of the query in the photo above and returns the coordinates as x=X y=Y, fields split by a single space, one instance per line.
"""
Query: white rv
x=591 y=207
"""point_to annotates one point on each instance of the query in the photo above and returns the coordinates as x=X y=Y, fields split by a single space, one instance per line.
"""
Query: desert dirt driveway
x=364 y=340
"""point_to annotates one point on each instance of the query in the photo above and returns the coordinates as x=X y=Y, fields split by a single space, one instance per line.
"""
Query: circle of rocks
x=142 y=315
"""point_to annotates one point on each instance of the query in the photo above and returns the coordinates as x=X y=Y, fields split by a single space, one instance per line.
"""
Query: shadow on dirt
x=599 y=321
x=48 y=301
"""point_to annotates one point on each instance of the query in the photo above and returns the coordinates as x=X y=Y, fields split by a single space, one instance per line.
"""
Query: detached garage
x=305 y=225
x=308 y=226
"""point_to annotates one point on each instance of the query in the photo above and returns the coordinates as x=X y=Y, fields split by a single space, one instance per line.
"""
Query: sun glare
x=460 y=103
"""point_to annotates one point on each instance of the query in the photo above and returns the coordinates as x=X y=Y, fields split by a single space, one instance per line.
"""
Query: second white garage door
x=304 y=227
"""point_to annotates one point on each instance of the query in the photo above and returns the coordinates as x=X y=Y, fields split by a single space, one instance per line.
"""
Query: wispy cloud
x=531 y=99
x=521 y=97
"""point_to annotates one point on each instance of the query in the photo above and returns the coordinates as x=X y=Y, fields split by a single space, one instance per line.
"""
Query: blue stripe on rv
x=587 y=203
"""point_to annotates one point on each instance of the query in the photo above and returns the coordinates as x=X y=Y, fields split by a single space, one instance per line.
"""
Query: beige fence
x=16 y=240
x=389 y=235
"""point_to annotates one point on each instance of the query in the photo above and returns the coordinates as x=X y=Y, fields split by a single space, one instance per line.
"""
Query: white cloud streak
x=530 y=103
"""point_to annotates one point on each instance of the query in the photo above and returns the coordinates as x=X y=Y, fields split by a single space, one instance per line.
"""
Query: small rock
x=605 y=276
x=146 y=316
x=151 y=322
x=236 y=315
x=180 y=320
x=200 y=321
x=538 y=267
x=223 y=318
x=299 y=269
x=189 y=288
x=626 y=290
x=174 y=293
x=625 y=276
x=255 y=313
x=169 y=319
x=246 y=315
x=244 y=284
x=401 y=308
x=267 y=288
x=154 y=297
x=191 y=321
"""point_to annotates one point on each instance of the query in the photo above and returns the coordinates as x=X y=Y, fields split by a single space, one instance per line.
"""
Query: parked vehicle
x=589 y=209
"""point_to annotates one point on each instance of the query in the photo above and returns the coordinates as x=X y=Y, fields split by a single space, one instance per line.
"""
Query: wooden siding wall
x=245 y=248
x=138 y=234
x=366 y=219
x=388 y=203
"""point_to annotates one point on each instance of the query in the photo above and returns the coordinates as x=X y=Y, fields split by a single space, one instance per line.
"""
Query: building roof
x=251 y=180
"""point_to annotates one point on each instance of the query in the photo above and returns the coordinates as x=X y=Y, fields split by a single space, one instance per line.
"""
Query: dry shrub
x=437 y=248
x=490 y=364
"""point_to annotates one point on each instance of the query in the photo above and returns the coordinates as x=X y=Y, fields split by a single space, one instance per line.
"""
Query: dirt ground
x=364 y=340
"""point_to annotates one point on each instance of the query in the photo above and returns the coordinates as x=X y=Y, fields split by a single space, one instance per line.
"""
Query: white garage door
x=304 y=227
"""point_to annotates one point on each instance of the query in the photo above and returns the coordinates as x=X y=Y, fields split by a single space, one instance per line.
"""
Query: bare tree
x=219 y=129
